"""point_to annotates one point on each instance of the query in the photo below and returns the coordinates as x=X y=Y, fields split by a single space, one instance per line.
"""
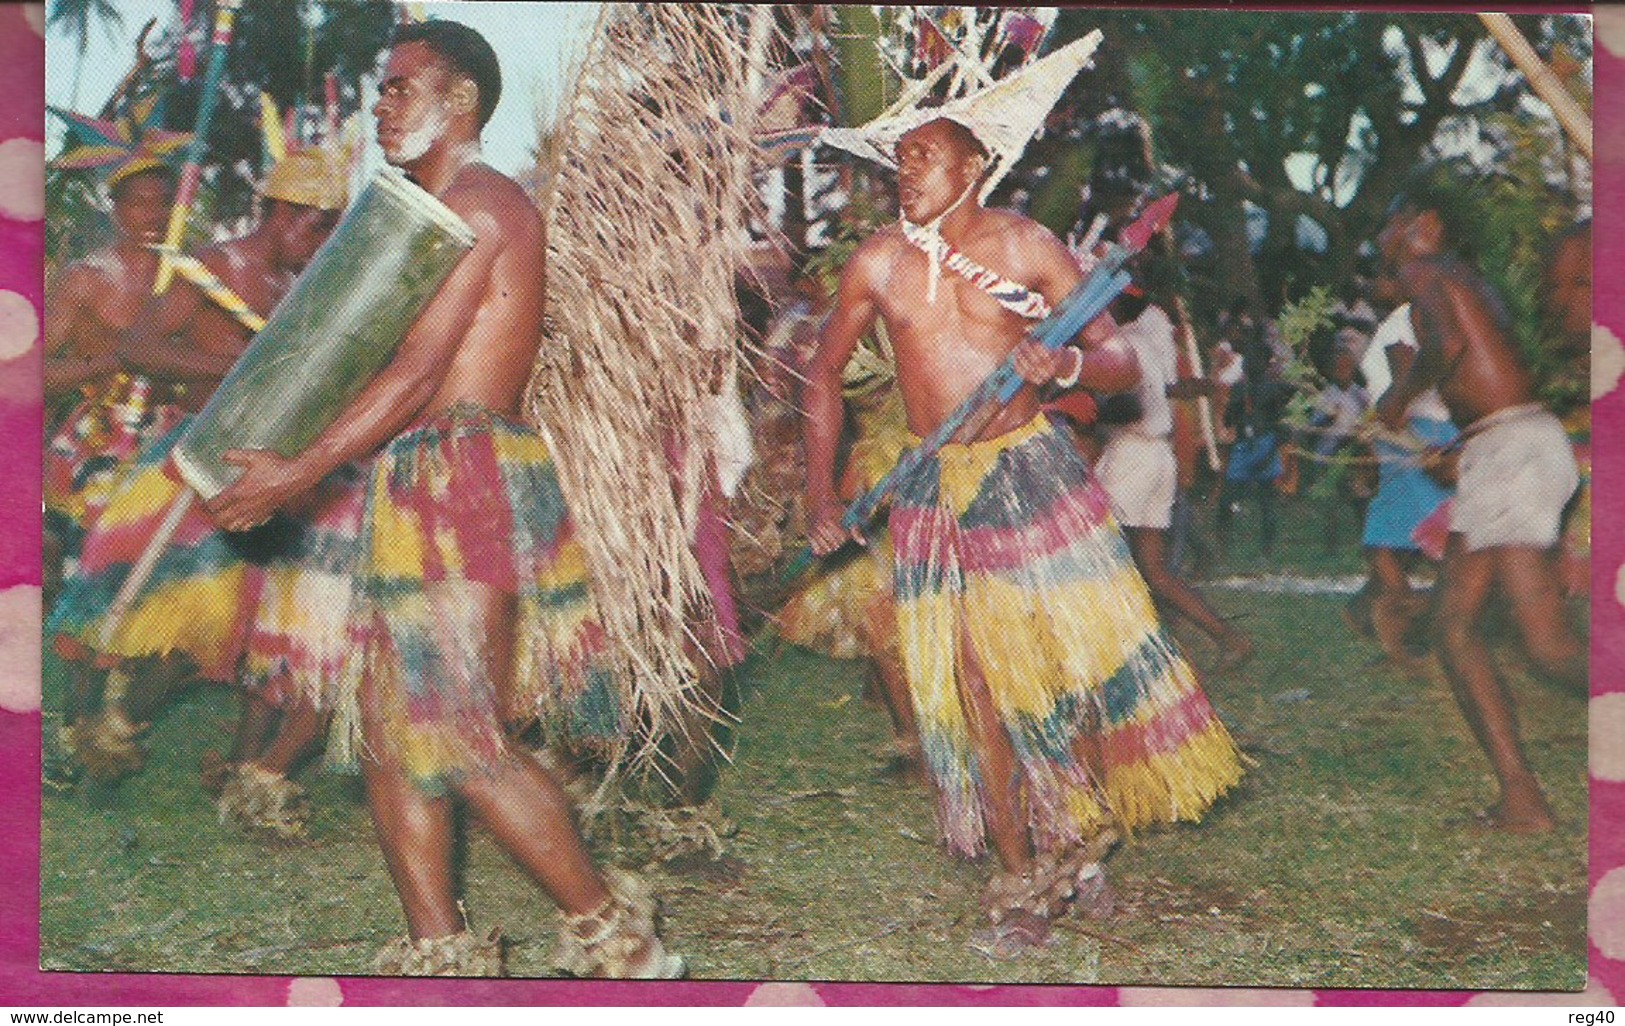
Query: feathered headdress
x=123 y=146
x=1004 y=116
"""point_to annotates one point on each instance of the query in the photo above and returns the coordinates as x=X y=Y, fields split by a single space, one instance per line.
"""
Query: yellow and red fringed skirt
x=1006 y=551
x=466 y=503
x=97 y=442
x=199 y=601
x=843 y=611
x=835 y=612
x=300 y=639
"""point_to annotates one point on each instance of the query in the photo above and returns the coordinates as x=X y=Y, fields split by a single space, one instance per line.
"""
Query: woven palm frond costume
x=648 y=188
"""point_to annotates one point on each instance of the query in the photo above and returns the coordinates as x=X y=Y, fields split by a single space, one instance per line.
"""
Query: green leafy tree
x=1352 y=102
x=76 y=19
x=281 y=48
x=284 y=50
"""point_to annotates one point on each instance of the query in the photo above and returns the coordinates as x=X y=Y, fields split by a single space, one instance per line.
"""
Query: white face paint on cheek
x=416 y=142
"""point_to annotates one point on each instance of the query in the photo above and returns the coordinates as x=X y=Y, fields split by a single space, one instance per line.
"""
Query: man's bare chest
x=914 y=305
x=118 y=302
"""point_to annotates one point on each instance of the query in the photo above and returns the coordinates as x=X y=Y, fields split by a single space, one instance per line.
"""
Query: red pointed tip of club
x=1153 y=220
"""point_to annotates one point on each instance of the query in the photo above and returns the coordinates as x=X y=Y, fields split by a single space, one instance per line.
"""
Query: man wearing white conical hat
x=1053 y=709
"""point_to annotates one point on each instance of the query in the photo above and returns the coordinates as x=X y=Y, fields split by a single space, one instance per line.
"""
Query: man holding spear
x=1053 y=710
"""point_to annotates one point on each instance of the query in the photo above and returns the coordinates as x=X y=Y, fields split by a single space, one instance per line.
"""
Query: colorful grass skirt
x=467 y=502
x=300 y=639
x=1006 y=549
x=199 y=601
x=844 y=611
x=86 y=458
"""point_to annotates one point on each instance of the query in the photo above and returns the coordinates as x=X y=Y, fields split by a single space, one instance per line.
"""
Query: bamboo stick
x=1543 y=80
x=225 y=17
x=141 y=572
x=1204 y=405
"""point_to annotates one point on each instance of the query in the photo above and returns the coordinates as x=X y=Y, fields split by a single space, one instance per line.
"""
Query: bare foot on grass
x=1521 y=820
x=1235 y=651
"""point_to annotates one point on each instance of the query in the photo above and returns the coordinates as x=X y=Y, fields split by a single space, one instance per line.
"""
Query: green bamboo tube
x=338 y=326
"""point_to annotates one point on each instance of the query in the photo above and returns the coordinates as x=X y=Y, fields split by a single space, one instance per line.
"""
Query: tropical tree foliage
x=283 y=49
x=1308 y=124
x=1290 y=133
x=76 y=19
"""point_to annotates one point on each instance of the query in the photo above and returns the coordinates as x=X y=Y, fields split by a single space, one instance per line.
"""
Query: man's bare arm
x=1423 y=370
x=853 y=317
x=1106 y=364
x=391 y=401
x=68 y=313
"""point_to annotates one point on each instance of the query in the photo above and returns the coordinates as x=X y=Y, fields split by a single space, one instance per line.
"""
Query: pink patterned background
x=22 y=203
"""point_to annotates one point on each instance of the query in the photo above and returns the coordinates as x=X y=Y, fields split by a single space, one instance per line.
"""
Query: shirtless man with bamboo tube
x=453 y=469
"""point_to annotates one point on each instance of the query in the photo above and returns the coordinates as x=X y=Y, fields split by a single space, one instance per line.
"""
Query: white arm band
x=1077 y=369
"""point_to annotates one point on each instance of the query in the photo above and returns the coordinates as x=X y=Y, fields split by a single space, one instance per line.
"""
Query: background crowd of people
x=1386 y=411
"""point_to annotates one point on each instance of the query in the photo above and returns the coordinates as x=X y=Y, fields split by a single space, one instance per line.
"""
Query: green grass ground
x=1343 y=860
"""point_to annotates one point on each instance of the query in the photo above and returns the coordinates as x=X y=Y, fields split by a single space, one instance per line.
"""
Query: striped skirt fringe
x=300 y=639
x=200 y=599
x=1008 y=565
x=87 y=457
x=461 y=507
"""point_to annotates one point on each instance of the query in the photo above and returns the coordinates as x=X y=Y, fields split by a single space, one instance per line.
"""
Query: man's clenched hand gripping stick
x=1081 y=306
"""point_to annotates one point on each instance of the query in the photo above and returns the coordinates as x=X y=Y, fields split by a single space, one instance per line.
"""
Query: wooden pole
x=143 y=568
x=225 y=17
x=1204 y=405
x=1543 y=80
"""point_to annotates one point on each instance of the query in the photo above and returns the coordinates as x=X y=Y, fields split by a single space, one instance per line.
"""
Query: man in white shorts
x=1406 y=495
x=1138 y=470
x=1517 y=472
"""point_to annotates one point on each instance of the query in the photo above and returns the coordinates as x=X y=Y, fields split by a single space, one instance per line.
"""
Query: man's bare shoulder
x=874 y=257
x=87 y=280
x=886 y=241
x=1419 y=279
x=493 y=204
x=76 y=282
x=1017 y=244
x=230 y=257
x=98 y=266
x=996 y=220
x=1021 y=231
